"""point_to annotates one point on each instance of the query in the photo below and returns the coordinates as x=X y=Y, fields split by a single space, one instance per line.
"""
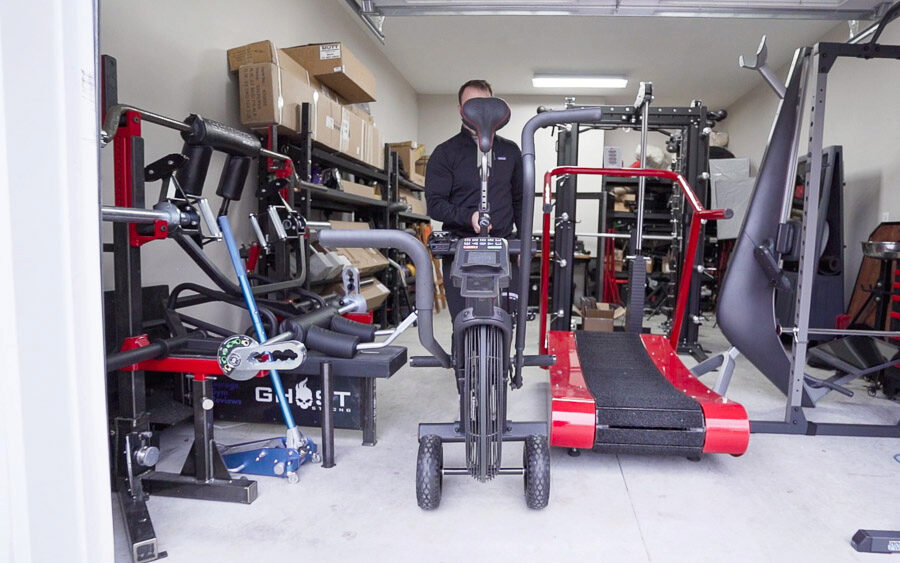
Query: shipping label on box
x=328 y=51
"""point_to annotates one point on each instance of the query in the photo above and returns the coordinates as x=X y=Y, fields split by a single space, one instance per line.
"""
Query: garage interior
x=668 y=232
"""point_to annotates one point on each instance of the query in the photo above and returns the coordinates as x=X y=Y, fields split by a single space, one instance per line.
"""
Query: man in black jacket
x=453 y=186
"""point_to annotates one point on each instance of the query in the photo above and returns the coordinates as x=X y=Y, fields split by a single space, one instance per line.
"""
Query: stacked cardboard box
x=275 y=83
x=363 y=190
x=367 y=260
x=422 y=165
x=410 y=152
x=411 y=198
x=372 y=290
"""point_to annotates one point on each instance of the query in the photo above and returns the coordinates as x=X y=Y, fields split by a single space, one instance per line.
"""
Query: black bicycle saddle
x=485 y=116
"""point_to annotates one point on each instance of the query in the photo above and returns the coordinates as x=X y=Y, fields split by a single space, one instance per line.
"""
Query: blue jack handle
x=294 y=438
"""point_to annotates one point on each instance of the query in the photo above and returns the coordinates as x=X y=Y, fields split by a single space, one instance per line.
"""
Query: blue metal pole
x=230 y=243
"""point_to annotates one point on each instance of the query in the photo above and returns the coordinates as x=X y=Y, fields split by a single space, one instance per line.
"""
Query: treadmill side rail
x=727 y=424
x=573 y=412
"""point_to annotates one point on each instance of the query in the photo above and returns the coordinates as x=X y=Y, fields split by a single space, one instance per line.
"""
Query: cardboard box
x=410 y=152
x=422 y=165
x=599 y=317
x=416 y=204
x=619 y=258
x=360 y=189
x=353 y=134
x=326 y=126
x=372 y=290
x=376 y=147
x=325 y=265
x=367 y=260
x=252 y=53
x=336 y=67
x=270 y=94
x=417 y=179
x=625 y=203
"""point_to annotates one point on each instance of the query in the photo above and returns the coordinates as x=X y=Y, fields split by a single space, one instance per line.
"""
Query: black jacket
x=453 y=185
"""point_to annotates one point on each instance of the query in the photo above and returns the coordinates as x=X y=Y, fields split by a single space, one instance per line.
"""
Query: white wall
x=54 y=464
x=171 y=60
x=861 y=115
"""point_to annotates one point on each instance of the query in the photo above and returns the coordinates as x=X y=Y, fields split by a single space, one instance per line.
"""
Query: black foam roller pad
x=234 y=176
x=365 y=332
x=220 y=137
x=299 y=325
x=330 y=342
x=192 y=174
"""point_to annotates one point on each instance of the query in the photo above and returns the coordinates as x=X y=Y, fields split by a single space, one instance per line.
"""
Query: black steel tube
x=405 y=242
x=592 y=115
x=118 y=360
x=327 y=416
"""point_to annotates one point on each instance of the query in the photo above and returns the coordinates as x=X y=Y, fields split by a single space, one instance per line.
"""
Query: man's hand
x=475 y=226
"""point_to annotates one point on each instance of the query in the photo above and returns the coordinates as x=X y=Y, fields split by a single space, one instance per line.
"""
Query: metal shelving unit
x=384 y=213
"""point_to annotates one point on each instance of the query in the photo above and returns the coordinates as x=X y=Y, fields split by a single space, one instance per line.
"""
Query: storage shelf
x=319 y=192
x=404 y=183
x=325 y=154
x=415 y=217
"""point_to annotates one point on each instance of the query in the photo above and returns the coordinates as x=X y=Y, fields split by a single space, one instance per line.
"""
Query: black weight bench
x=366 y=366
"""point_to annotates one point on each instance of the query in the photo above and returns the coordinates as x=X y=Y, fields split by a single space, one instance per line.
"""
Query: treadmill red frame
x=573 y=410
x=700 y=214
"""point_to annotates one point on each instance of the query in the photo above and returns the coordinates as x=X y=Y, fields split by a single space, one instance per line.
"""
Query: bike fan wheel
x=483 y=399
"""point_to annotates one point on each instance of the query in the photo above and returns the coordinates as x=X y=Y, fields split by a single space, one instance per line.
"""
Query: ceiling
x=685 y=58
x=817 y=9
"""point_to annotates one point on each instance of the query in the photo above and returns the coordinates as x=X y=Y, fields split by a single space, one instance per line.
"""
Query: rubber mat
x=628 y=389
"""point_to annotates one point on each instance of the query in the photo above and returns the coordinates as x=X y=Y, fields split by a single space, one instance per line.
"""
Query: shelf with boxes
x=311 y=103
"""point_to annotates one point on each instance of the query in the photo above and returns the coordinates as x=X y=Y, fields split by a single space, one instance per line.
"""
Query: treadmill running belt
x=628 y=389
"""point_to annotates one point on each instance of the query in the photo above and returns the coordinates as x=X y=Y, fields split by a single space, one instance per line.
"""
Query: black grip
x=365 y=332
x=331 y=343
x=234 y=176
x=299 y=325
x=192 y=174
x=220 y=137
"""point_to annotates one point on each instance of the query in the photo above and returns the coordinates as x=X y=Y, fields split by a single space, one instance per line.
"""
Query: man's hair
x=477 y=83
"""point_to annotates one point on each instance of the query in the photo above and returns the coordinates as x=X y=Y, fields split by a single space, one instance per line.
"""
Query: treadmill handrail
x=700 y=214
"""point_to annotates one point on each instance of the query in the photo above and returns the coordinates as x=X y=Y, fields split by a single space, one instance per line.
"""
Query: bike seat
x=485 y=116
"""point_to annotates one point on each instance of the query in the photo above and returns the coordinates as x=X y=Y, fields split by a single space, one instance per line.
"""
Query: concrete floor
x=788 y=498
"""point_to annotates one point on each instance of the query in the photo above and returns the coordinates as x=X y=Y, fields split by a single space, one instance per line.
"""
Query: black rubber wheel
x=536 y=454
x=429 y=474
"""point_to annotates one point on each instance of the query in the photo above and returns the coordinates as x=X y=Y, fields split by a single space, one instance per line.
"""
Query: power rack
x=688 y=128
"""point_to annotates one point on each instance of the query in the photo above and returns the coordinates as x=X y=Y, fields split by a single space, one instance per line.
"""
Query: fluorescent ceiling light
x=560 y=81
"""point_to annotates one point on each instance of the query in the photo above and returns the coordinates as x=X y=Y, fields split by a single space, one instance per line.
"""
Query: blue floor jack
x=277 y=457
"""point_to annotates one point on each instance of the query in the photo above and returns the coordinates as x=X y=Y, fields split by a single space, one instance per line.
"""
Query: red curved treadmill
x=608 y=422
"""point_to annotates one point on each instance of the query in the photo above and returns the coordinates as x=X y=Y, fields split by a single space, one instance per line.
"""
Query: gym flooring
x=788 y=498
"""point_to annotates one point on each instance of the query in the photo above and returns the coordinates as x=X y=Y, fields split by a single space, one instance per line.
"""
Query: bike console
x=481 y=267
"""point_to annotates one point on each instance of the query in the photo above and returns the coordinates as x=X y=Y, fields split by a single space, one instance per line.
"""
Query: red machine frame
x=573 y=410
